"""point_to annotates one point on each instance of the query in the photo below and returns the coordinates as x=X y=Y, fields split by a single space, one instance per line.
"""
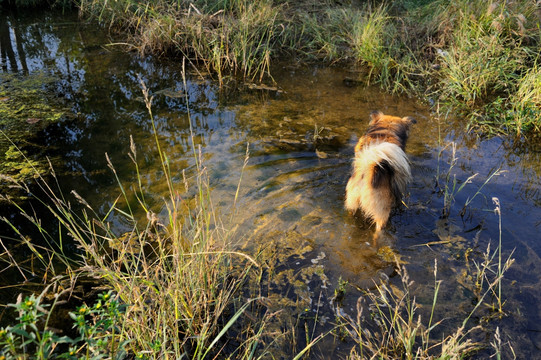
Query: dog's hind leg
x=379 y=204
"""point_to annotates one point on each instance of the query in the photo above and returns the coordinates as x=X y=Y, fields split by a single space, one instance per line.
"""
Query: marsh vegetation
x=177 y=286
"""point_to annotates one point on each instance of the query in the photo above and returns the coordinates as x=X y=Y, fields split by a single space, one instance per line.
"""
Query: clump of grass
x=176 y=273
x=395 y=329
x=524 y=113
x=368 y=37
x=178 y=278
x=380 y=43
x=365 y=36
x=322 y=35
x=223 y=36
x=485 y=50
x=479 y=65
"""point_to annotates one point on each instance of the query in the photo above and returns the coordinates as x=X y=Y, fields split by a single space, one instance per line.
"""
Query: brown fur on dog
x=380 y=169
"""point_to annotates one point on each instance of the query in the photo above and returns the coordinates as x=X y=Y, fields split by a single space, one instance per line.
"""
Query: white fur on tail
x=376 y=203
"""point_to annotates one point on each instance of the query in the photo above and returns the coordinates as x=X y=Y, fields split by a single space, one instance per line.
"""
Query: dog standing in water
x=380 y=169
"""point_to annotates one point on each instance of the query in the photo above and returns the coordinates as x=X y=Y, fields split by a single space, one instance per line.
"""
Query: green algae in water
x=23 y=102
x=18 y=166
x=25 y=109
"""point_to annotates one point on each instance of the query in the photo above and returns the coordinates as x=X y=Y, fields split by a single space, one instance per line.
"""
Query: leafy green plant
x=25 y=337
x=97 y=326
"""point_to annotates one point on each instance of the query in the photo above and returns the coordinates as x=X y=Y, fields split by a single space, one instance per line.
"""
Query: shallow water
x=300 y=138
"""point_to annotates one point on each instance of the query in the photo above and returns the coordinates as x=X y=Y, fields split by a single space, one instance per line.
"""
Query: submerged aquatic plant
x=25 y=101
x=26 y=108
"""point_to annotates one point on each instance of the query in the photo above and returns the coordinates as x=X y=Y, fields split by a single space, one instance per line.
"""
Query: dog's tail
x=380 y=174
x=386 y=159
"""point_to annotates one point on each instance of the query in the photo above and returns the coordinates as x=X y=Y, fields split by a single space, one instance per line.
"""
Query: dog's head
x=377 y=118
x=392 y=125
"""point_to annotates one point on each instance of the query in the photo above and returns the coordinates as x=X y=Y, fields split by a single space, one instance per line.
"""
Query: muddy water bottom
x=299 y=134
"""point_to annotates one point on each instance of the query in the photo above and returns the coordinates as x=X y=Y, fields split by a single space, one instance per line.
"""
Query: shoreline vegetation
x=478 y=60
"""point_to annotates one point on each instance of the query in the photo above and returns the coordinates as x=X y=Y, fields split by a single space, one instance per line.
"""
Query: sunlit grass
x=177 y=273
x=485 y=50
x=388 y=323
x=525 y=113
x=223 y=36
x=472 y=56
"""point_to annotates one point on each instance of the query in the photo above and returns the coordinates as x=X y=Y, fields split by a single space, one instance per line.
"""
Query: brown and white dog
x=380 y=169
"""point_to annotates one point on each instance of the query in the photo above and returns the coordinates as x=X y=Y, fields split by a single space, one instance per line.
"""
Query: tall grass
x=450 y=186
x=524 y=114
x=367 y=36
x=478 y=65
x=476 y=57
x=178 y=274
x=486 y=51
x=395 y=329
x=223 y=36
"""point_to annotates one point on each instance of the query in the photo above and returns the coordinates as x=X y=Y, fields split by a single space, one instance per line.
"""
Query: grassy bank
x=480 y=59
x=477 y=58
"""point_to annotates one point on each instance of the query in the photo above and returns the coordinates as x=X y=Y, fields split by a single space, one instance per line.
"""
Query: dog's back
x=381 y=169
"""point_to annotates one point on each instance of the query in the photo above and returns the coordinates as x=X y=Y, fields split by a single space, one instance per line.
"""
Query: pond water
x=300 y=137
